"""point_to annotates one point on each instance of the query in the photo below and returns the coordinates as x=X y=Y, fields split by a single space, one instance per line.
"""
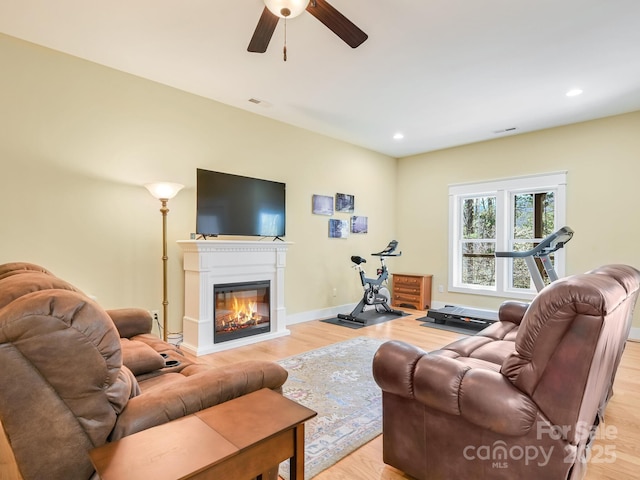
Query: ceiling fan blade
x=337 y=23
x=263 y=32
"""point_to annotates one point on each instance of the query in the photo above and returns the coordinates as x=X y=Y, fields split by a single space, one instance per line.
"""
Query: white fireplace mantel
x=211 y=262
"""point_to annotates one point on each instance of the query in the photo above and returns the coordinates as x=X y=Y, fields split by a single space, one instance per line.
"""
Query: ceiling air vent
x=505 y=130
x=257 y=101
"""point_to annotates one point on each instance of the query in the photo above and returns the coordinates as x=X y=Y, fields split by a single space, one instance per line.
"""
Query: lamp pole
x=165 y=302
x=164 y=191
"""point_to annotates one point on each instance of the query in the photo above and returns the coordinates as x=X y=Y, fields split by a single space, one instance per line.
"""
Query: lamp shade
x=286 y=8
x=164 y=190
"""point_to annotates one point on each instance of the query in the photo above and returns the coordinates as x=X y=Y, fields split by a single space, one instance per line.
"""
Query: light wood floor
x=622 y=416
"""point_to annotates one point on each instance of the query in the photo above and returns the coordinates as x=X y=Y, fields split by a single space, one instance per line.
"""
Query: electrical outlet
x=155 y=314
x=441 y=288
x=335 y=292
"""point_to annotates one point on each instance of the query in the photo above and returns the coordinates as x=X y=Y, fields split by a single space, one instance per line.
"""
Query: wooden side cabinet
x=411 y=290
x=246 y=437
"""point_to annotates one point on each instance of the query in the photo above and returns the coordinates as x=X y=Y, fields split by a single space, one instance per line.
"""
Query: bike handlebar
x=388 y=250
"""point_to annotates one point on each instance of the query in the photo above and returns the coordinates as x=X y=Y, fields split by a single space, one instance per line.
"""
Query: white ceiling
x=443 y=72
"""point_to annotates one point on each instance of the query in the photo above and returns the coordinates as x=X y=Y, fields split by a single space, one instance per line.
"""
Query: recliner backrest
x=569 y=344
x=14 y=268
x=62 y=381
x=16 y=286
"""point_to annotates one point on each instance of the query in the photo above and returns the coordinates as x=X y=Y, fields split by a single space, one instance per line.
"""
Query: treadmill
x=473 y=318
x=543 y=250
x=478 y=319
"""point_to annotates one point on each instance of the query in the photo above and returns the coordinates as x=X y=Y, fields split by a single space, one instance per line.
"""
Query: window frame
x=504 y=190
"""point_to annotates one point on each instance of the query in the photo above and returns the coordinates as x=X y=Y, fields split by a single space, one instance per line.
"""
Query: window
x=478 y=240
x=503 y=215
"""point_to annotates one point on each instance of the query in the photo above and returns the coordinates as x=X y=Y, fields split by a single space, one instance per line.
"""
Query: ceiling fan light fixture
x=286 y=8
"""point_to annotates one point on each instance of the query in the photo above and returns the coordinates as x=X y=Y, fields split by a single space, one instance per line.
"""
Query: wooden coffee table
x=243 y=438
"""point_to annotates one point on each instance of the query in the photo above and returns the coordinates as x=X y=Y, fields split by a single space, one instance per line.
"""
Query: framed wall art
x=345 y=203
x=322 y=204
x=338 y=228
x=359 y=224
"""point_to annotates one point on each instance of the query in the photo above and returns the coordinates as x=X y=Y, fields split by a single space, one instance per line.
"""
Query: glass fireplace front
x=241 y=310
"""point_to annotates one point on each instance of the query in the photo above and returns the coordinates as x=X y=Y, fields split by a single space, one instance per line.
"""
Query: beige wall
x=78 y=141
x=602 y=159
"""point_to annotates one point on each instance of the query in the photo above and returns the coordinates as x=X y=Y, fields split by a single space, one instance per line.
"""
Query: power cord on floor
x=175 y=339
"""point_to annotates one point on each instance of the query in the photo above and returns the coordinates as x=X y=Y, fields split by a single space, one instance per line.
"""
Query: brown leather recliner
x=520 y=399
x=74 y=376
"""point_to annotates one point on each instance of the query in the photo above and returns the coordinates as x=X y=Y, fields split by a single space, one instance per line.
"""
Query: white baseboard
x=318 y=314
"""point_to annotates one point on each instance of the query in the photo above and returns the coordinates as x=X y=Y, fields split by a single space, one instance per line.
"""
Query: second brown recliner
x=505 y=405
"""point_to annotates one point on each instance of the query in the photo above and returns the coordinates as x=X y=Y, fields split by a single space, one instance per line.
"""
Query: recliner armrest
x=193 y=389
x=483 y=397
x=437 y=381
x=512 y=311
x=393 y=367
x=131 y=321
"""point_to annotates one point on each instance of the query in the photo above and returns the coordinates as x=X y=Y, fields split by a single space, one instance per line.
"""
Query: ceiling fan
x=274 y=10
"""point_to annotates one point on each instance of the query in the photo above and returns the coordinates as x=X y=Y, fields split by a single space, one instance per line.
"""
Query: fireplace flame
x=245 y=311
x=241 y=310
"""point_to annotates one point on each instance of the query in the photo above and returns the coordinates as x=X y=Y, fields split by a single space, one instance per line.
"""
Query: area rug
x=371 y=317
x=335 y=381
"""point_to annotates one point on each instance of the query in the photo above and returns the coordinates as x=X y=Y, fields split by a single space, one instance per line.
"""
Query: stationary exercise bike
x=376 y=292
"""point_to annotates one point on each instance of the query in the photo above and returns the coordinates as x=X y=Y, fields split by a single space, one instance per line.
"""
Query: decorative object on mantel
x=274 y=10
x=335 y=381
x=164 y=191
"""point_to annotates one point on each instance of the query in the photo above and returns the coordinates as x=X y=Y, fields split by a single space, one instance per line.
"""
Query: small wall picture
x=345 y=203
x=322 y=204
x=338 y=228
x=359 y=224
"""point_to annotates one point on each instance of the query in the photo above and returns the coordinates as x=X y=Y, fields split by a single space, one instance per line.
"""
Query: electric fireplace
x=211 y=263
x=241 y=310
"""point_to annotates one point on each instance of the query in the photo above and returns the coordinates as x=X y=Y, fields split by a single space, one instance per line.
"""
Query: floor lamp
x=164 y=191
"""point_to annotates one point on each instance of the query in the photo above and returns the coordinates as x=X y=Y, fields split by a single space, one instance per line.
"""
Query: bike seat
x=358 y=260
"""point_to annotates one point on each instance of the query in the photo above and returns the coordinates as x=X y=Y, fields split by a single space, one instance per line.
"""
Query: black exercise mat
x=429 y=322
x=371 y=317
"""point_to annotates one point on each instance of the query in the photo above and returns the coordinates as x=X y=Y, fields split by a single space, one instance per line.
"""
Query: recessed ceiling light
x=574 y=92
x=398 y=136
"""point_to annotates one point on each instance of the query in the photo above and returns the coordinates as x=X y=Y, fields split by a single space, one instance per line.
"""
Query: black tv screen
x=229 y=204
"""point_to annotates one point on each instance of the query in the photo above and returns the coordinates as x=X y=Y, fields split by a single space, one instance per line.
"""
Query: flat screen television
x=229 y=204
